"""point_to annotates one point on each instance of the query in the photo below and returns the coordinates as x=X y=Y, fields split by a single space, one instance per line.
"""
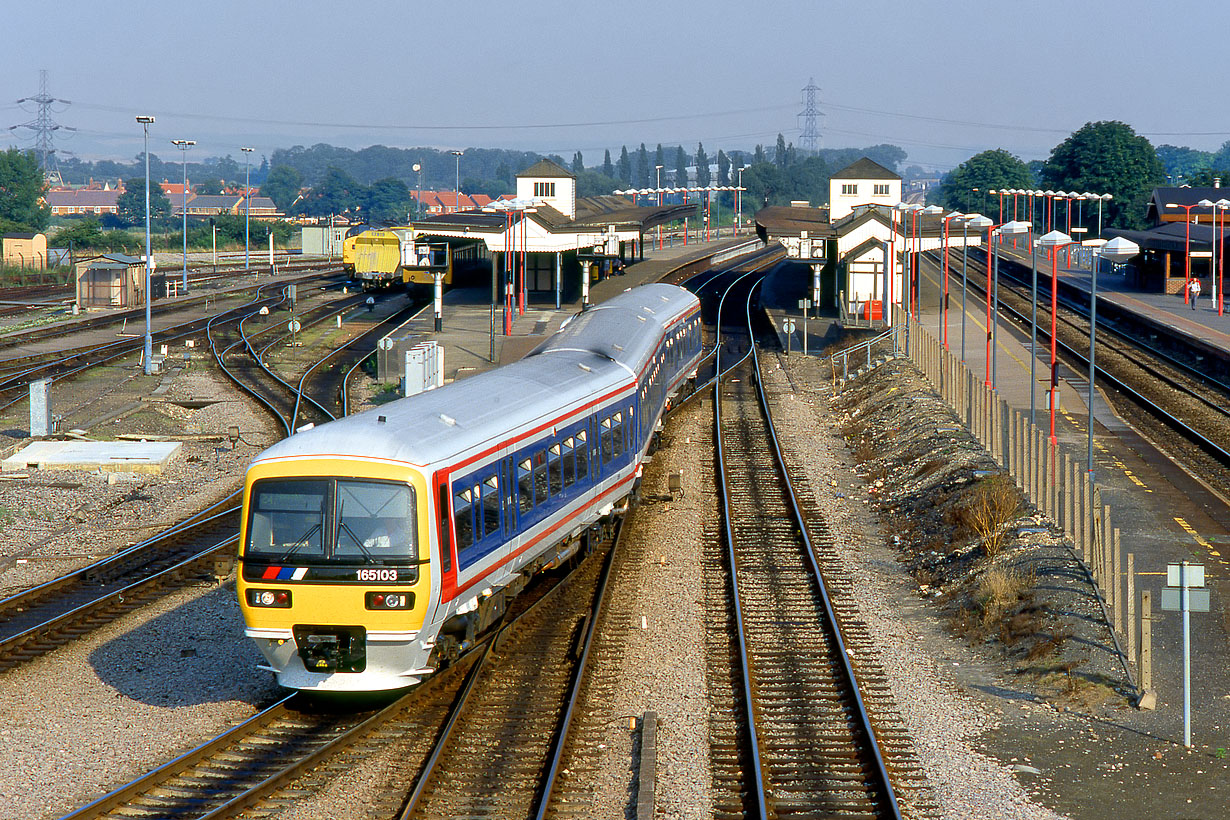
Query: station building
x=548 y=241
x=855 y=245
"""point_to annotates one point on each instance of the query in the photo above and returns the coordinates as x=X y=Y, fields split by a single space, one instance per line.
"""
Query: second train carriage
x=376 y=547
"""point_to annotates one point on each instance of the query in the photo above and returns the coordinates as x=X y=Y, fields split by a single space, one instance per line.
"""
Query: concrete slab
x=104 y=456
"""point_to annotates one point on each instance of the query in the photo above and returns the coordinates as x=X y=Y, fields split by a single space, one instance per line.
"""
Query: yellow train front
x=335 y=580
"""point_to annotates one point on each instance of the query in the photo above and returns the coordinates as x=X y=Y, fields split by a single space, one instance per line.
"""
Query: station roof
x=778 y=220
x=546 y=168
x=1159 y=212
x=1171 y=237
x=865 y=169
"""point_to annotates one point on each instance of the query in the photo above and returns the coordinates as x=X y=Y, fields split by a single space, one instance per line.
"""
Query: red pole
x=1054 y=308
x=521 y=290
x=508 y=228
x=944 y=290
x=990 y=228
x=1221 y=257
x=1187 y=251
x=892 y=262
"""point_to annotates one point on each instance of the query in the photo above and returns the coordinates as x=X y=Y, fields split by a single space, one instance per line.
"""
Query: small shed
x=112 y=280
x=27 y=251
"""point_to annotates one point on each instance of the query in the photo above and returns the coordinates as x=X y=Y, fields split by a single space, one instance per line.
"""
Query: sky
x=942 y=80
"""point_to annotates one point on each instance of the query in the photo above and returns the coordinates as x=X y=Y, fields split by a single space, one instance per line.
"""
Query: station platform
x=473 y=343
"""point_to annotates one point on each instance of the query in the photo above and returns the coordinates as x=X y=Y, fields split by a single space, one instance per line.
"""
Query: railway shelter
x=548 y=244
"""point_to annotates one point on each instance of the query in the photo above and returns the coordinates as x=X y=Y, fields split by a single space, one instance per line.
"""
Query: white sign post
x=788 y=326
x=385 y=344
x=1185 y=593
x=804 y=306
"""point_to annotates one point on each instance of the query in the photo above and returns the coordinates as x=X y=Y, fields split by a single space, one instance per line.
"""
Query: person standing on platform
x=1193 y=291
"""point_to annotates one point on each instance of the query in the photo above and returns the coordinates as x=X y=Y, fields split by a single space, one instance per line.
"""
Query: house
x=865 y=182
x=212 y=205
x=69 y=202
x=112 y=280
x=550 y=183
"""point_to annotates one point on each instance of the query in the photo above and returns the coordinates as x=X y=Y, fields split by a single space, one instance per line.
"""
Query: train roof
x=595 y=353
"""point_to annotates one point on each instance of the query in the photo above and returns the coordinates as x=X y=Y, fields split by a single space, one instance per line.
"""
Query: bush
x=992 y=503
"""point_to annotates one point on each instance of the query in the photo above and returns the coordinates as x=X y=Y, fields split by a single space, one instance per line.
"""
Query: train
x=376 y=548
x=389 y=257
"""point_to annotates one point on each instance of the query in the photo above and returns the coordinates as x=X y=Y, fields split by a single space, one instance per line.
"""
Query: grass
x=991 y=504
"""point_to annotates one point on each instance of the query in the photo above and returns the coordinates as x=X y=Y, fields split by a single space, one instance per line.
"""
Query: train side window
x=606 y=441
x=463 y=518
x=540 y=477
x=446 y=544
x=555 y=471
x=582 y=455
x=568 y=461
x=525 y=486
x=491 y=505
x=617 y=434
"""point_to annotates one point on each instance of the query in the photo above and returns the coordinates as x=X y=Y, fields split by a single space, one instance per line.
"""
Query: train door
x=508 y=481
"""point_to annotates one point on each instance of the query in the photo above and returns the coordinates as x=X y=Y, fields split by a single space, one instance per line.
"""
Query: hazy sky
x=942 y=80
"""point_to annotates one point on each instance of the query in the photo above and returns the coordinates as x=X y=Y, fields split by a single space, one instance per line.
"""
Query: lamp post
x=1101 y=199
x=146 y=121
x=658 y=168
x=944 y=274
x=1011 y=229
x=1116 y=250
x=970 y=219
x=739 y=201
x=183 y=146
x=457 y=180
x=418 y=194
x=989 y=224
x=246 y=209
x=1219 y=240
x=1187 y=245
x=930 y=210
x=1054 y=240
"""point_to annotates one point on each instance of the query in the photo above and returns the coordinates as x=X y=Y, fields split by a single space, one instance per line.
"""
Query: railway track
x=1185 y=402
x=810 y=746
x=299 y=739
x=37 y=620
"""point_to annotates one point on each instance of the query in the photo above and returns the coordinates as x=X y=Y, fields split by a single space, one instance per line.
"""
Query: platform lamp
x=1011 y=229
x=183 y=146
x=1117 y=250
x=1207 y=203
x=1054 y=240
x=930 y=210
x=979 y=222
x=146 y=121
x=1219 y=219
x=965 y=223
x=246 y=152
x=1101 y=199
x=944 y=275
x=418 y=194
x=1187 y=245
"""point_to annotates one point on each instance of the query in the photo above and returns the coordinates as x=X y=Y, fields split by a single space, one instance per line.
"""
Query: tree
x=659 y=160
x=759 y=156
x=1182 y=163
x=625 y=166
x=335 y=194
x=681 y=167
x=130 y=205
x=987 y=171
x=642 y=167
x=210 y=187
x=21 y=185
x=387 y=200
x=608 y=170
x=779 y=153
x=282 y=186
x=578 y=163
x=723 y=162
x=766 y=185
x=1108 y=158
x=702 y=166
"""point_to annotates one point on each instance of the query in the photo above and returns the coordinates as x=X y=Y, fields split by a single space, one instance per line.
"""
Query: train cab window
x=582 y=454
x=525 y=486
x=446 y=547
x=287 y=519
x=463 y=518
x=490 y=490
x=555 y=470
x=607 y=442
x=568 y=461
x=375 y=522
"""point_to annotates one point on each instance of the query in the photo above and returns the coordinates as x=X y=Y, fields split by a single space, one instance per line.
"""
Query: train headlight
x=276 y=598
x=389 y=600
